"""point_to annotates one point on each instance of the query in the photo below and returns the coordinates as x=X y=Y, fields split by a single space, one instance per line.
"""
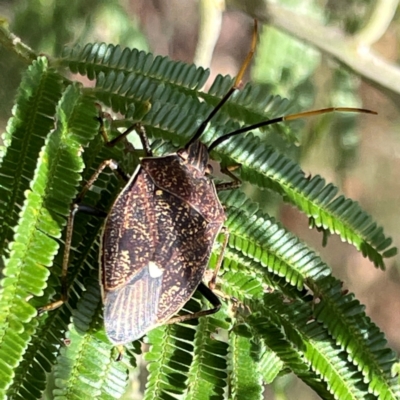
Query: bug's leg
x=70 y=226
x=220 y=259
x=139 y=128
x=234 y=184
x=210 y=296
x=113 y=165
x=120 y=350
x=77 y=207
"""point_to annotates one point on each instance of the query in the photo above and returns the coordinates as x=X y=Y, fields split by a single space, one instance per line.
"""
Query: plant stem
x=350 y=51
x=14 y=43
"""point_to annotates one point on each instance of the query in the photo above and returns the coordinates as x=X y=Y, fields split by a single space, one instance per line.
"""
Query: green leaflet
x=254 y=242
x=170 y=356
x=100 y=57
x=132 y=82
x=366 y=345
x=40 y=222
x=208 y=375
x=263 y=166
x=86 y=366
x=261 y=238
x=27 y=130
x=270 y=365
x=245 y=374
x=328 y=361
x=131 y=74
x=188 y=359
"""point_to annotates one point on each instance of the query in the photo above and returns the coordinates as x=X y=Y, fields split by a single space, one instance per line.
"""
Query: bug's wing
x=185 y=240
x=128 y=236
x=189 y=217
x=130 y=310
x=130 y=291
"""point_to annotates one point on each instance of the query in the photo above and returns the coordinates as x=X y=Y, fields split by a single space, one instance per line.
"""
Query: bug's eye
x=209 y=169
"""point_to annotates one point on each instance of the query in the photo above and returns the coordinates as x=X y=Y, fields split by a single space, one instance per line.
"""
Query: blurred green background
x=359 y=153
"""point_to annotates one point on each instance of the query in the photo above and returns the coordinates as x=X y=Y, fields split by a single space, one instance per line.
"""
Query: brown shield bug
x=158 y=236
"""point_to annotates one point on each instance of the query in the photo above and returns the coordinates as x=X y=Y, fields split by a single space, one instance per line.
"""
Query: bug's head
x=196 y=153
x=196 y=156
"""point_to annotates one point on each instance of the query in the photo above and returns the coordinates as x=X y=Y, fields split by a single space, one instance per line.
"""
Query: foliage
x=283 y=310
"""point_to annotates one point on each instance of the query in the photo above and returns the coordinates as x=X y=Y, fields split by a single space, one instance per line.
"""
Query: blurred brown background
x=360 y=154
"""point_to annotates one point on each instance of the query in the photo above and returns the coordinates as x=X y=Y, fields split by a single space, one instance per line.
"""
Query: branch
x=14 y=43
x=348 y=50
x=378 y=23
x=210 y=27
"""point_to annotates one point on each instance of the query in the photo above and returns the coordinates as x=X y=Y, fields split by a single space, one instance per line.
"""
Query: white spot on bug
x=154 y=270
x=125 y=258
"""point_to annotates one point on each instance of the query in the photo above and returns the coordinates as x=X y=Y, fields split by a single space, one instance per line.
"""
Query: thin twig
x=346 y=49
x=210 y=28
x=378 y=23
x=14 y=43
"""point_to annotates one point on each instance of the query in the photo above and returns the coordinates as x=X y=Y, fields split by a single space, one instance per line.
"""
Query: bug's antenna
x=290 y=117
x=235 y=86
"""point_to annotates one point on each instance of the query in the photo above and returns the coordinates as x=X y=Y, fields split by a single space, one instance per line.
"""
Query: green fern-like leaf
x=365 y=345
x=86 y=367
x=286 y=254
x=263 y=166
x=169 y=357
x=100 y=57
x=134 y=79
x=207 y=377
x=245 y=375
x=27 y=130
x=270 y=366
x=40 y=223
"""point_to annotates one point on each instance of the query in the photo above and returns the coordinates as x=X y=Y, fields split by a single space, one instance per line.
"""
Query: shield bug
x=158 y=236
